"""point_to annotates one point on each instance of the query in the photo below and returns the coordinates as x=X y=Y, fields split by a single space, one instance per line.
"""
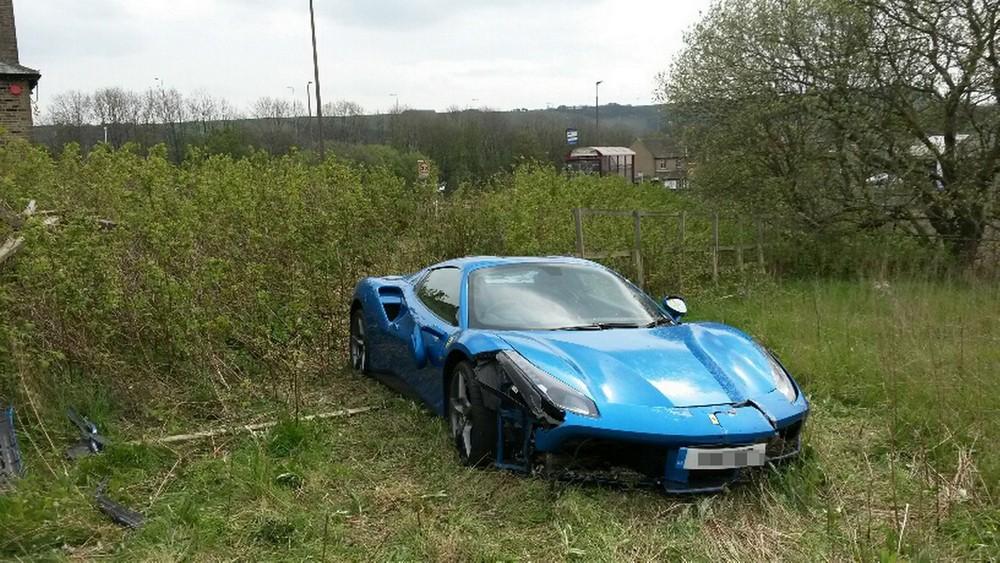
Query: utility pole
x=597 y=112
x=319 y=97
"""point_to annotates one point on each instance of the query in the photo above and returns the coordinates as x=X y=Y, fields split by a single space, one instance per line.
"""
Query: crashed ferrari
x=561 y=366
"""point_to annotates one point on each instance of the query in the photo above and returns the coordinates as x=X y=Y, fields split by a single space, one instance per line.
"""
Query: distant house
x=660 y=160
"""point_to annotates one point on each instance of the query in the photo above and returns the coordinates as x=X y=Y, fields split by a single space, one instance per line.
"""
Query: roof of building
x=661 y=147
x=602 y=151
x=936 y=141
x=8 y=69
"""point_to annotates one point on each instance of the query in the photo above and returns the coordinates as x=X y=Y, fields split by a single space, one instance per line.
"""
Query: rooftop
x=9 y=69
x=603 y=151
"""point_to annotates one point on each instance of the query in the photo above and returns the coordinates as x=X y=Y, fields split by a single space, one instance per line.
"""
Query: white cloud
x=433 y=53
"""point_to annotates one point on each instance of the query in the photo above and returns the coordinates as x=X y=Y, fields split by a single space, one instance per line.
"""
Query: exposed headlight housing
x=558 y=393
x=782 y=382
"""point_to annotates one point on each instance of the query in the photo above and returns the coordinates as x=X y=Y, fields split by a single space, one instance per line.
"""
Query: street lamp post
x=597 y=111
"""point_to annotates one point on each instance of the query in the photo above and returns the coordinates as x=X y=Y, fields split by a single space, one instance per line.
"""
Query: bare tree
x=119 y=110
x=167 y=107
x=73 y=108
x=70 y=113
x=208 y=109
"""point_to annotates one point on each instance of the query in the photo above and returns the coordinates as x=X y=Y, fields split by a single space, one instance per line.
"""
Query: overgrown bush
x=225 y=277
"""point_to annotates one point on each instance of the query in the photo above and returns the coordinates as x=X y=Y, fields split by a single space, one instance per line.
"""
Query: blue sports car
x=560 y=365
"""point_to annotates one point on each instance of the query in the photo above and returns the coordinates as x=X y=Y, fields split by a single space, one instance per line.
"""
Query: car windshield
x=556 y=296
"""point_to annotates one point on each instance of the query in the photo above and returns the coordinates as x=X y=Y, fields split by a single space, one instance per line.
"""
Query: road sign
x=572 y=136
x=423 y=169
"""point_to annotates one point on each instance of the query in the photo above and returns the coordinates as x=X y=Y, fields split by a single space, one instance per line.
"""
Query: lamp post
x=319 y=97
x=597 y=111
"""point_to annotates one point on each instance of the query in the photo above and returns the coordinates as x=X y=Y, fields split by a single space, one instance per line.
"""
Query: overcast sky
x=434 y=53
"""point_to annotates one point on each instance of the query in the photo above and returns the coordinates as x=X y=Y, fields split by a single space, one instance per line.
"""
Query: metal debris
x=119 y=514
x=91 y=442
x=10 y=456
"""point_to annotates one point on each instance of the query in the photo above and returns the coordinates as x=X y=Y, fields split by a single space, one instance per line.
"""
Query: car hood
x=687 y=365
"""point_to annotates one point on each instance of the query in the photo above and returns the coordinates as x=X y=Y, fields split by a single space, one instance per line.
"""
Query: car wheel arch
x=454 y=358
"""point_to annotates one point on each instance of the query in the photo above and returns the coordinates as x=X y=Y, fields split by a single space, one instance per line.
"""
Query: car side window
x=439 y=292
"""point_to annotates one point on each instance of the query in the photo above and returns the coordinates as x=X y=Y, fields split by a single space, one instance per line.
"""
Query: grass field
x=900 y=462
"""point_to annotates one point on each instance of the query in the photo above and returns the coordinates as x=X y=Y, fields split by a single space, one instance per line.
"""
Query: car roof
x=475 y=262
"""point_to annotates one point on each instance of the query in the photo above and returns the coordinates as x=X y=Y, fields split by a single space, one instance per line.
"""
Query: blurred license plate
x=725 y=458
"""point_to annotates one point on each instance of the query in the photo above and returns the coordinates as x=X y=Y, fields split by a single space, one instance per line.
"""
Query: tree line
x=466 y=145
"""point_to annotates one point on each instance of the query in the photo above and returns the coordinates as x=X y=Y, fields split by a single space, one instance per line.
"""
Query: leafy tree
x=849 y=114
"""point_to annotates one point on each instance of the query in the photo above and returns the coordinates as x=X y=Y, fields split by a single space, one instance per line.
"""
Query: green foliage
x=846 y=116
x=217 y=290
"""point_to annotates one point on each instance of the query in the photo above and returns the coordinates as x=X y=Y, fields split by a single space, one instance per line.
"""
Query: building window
x=661 y=164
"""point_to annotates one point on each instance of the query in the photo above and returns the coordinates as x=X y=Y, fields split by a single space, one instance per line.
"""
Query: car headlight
x=558 y=393
x=782 y=382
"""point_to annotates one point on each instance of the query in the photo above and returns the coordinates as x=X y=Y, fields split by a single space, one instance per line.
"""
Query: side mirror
x=676 y=307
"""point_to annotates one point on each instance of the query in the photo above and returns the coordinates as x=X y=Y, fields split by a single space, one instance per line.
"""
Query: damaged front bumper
x=636 y=445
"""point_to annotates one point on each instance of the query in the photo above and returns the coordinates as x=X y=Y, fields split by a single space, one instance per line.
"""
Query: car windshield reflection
x=557 y=297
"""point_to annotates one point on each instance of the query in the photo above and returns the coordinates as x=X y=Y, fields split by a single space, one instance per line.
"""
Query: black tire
x=358 y=344
x=473 y=426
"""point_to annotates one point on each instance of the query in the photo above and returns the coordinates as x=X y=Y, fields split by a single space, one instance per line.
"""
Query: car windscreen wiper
x=659 y=322
x=601 y=326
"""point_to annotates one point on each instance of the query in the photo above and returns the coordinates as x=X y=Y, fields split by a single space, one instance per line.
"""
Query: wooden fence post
x=681 y=251
x=578 y=219
x=715 y=248
x=760 y=248
x=637 y=248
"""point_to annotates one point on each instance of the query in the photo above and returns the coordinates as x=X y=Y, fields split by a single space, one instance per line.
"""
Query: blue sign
x=572 y=136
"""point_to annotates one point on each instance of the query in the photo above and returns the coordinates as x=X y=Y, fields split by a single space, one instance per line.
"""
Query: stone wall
x=15 y=111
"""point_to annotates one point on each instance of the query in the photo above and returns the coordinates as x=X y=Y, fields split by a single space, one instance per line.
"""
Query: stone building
x=16 y=82
x=660 y=160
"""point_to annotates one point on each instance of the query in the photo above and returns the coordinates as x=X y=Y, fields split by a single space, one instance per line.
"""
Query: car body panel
x=676 y=386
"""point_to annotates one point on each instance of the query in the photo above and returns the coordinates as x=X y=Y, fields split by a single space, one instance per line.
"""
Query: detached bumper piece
x=10 y=456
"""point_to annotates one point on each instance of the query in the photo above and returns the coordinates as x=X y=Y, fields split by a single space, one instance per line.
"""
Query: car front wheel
x=359 y=344
x=473 y=425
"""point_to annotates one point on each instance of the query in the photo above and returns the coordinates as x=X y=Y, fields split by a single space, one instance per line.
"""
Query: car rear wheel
x=359 y=344
x=473 y=425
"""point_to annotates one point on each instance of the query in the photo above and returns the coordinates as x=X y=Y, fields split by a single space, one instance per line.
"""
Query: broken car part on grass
x=91 y=441
x=118 y=513
x=11 y=466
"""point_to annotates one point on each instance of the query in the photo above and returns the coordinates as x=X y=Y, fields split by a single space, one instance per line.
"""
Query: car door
x=436 y=319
